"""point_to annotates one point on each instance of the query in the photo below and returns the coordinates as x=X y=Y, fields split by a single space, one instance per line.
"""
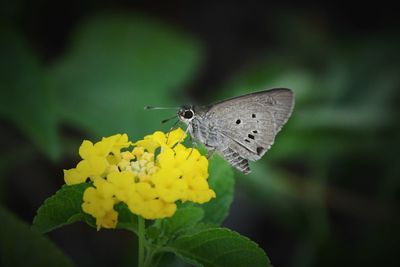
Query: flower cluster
x=149 y=176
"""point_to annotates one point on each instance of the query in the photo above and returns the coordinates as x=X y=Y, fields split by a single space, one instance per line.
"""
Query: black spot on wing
x=251 y=136
x=238 y=121
x=260 y=149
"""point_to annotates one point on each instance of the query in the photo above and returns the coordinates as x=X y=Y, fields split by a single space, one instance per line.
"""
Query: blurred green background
x=326 y=194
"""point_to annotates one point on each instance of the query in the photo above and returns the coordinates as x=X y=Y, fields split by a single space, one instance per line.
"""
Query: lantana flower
x=150 y=176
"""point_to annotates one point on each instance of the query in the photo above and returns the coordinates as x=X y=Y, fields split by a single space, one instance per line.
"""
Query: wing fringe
x=236 y=160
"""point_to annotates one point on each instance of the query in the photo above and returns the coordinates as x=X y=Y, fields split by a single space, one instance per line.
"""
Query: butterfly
x=241 y=129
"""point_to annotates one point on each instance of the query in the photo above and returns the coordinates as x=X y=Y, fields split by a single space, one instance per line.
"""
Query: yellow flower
x=96 y=158
x=123 y=183
x=99 y=202
x=150 y=177
x=72 y=176
x=157 y=139
x=108 y=221
x=170 y=184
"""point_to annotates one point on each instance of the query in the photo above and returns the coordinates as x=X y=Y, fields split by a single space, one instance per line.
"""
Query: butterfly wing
x=247 y=125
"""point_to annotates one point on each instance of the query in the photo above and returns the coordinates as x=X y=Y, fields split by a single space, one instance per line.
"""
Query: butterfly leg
x=183 y=137
x=173 y=127
x=191 y=143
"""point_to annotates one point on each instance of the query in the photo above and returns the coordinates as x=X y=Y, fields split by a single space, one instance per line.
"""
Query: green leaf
x=65 y=208
x=24 y=98
x=20 y=246
x=126 y=219
x=222 y=182
x=169 y=260
x=184 y=218
x=61 y=209
x=219 y=247
x=116 y=66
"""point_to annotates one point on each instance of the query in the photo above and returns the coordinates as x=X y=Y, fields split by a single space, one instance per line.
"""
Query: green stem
x=157 y=259
x=149 y=258
x=141 y=241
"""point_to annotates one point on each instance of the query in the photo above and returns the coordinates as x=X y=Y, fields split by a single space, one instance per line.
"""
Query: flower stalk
x=141 y=230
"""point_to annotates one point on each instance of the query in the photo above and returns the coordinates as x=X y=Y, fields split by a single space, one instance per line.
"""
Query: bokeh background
x=326 y=194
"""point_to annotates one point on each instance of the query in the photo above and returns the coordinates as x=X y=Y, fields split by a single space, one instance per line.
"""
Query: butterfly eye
x=188 y=114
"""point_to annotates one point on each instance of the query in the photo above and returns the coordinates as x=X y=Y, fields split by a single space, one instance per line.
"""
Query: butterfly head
x=186 y=113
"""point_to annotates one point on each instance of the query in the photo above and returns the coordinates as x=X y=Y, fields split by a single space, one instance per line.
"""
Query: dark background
x=327 y=194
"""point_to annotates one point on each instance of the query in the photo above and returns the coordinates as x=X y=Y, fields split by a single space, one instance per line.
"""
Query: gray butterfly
x=242 y=128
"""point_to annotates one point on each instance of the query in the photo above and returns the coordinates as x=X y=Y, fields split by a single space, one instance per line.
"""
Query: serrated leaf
x=185 y=218
x=24 y=98
x=219 y=247
x=20 y=246
x=63 y=208
x=116 y=66
x=170 y=260
x=222 y=182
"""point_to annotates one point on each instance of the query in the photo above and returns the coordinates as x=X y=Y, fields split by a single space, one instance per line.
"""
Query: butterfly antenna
x=152 y=108
x=167 y=120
